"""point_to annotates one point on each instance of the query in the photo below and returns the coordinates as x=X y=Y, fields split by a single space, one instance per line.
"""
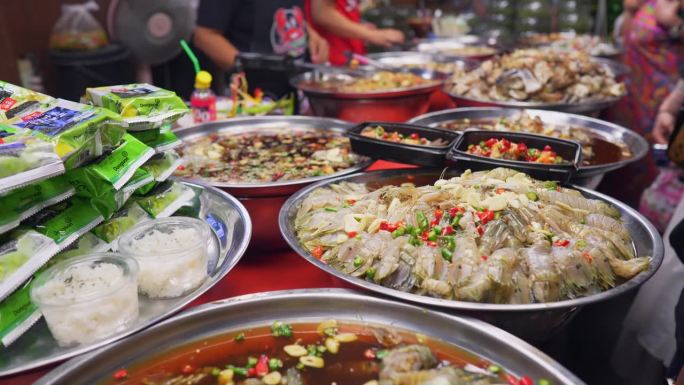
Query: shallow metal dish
x=636 y=144
x=443 y=45
x=408 y=59
x=529 y=42
x=530 y=321
x=391 y=106
x=241 y=313
x=263 y=200
x=37 y=348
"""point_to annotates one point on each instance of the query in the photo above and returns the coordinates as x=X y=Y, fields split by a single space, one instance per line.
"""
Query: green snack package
x=88 y=243
x=111 y=170
x=17 y=314
x=122 y=221
x=15 y=100
x=26 y=201
x=142 y=106
x=25 y=158
x=108 y=201
x=79 y=132
x=165 y=199
x=22 y=252
x=161 y=142
x=160 y=167
x=65 y=222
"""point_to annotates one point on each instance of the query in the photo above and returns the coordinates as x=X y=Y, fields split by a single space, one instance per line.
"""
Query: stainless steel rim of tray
x=239 y=313
x=646 y=239
x=37 y=348
x=609 y=131
x=401 y=58
x=438 y=78
x=265 y=124
x=433 y=45
x=579 y=108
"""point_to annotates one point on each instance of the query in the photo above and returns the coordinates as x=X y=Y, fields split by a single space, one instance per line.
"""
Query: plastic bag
x=77 y=29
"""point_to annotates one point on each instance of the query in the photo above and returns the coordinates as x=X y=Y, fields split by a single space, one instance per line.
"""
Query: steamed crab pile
x=497 y=236
x=534 y=75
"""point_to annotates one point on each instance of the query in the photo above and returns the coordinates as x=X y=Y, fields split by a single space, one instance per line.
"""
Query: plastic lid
x=203 y=79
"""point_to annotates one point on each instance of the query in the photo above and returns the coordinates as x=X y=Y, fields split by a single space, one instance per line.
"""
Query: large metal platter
x=443 y=45
x=637 y=145
x=410 y=58
x=265 y=124
x=232 y=230
x=534 y=321
x=241 y=313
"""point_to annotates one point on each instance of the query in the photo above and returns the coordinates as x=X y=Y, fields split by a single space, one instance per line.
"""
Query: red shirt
x=339 y=45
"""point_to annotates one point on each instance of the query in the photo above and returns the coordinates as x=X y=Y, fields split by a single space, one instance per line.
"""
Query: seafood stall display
x=263 y=160
x=567 y=81
x=591 y=44
x=489 y=243
x=378 y=95
x=296 y=338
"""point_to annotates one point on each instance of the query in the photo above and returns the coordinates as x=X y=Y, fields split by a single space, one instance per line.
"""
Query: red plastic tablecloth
x=255 y=273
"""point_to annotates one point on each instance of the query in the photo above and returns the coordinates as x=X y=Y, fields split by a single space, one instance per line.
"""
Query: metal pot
x=534 y=322
x=263 y=200
x=391 y=106
x=241 y=313
x=587 y=176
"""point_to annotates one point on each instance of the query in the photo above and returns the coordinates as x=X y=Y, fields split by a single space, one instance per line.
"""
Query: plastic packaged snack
x=15 y=100
x=111 y=170
x=77 y=29
x=88 y=243
x=122 y=221
x=161 y=141
x=109 y=201
x=17 y=314
x=160 y=167
x=142 y=106
x=165 y=199
x=25 y=158
x=22 y=203
x=78 y=131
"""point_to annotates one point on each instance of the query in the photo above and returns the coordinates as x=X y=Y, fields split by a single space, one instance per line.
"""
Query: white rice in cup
x=172 y=253
x=88 y=298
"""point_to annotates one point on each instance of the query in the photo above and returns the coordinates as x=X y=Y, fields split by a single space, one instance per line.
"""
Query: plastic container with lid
x=88 y=298
x=203 y=99
x=172 y=253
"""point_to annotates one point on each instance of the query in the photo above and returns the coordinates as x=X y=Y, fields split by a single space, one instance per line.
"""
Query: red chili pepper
x=500 y=190
x=414 y=136
x=447 y=230
x=370 y=354
x=351 y=201
x=491 y=142
x=120 y=374
x=558 y=188
x=485 y=257
x=431 y=243
x=434 y=223
x=480 y=230
x=424 y=236
x=505 y=144
x=262 y=366
x=562 y=242
x=180 y=168
x=547 y=148
x=391 y=227
x=351 y=234
x=383 y=225
x=588 y=257
x=522 y=147
x=486 y=216
x=251 y=372
x=511 y=379
x=317 y=252
x=439 y=214
x=455 y=210
x=188 y=369
x=487 y=153
x=525 y=380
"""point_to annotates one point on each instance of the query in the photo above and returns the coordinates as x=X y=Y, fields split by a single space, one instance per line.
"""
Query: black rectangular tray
x=572 y=151
x=428 y=156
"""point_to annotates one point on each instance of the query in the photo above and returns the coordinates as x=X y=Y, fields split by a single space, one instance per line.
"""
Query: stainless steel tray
x=637 y=145
x=412 y=58
x=265 y=124
x=244 y=312
x=443 y=45
x=37 y=348
x=532 y=321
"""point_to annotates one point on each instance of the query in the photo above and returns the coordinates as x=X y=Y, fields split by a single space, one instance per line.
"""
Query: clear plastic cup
x=172 y=254
x=88 y=298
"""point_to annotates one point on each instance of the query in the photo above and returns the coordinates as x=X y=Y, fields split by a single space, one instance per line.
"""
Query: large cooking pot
x=396 y=105
x=263 y=200
x=536 y=322
x=588 y=175
x=241 y=313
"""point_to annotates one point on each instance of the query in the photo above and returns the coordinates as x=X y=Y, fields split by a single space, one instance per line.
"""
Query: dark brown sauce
x=603 y=151
x=348 y=367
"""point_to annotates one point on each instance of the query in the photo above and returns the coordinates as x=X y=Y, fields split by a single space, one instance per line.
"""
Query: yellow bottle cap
x=203 y=79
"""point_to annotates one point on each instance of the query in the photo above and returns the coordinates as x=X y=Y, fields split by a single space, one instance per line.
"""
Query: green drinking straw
x=191 y=55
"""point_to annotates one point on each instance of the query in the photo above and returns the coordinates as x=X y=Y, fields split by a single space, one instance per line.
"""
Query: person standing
x=339 y=22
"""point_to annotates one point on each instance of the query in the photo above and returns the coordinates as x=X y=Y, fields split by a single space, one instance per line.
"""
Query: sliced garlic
x=295 y=350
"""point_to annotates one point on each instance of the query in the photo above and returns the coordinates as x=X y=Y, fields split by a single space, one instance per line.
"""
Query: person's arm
x=319 y=48
x=217 y=47
x=324 y=14
x=666 y=13
x=667 y=114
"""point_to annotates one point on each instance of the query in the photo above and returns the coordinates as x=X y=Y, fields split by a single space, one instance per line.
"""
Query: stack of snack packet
x=103 y=160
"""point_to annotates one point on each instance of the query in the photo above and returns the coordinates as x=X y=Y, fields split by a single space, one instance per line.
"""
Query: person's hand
x=318 y=48
x=666 y=12
x=664 y=125
x=385 y=37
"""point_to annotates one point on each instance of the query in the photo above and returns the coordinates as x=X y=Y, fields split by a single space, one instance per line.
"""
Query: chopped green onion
x=251 y=362
x=370 y=273
x=446 y=254
x=382 y=353
x=275 y=364
x=240 y=337
x=543 y=381
x=456 y=220
x=331 y=209
x=531 y=195
x=438 y=229
x=422 y=221
x=551 y=185
x=432 y=236
x=451 y=243
x=237 y=370
x=215 y=372
x=398 y=232
x=358 y=261
x=494 y=368
x=281 y=329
